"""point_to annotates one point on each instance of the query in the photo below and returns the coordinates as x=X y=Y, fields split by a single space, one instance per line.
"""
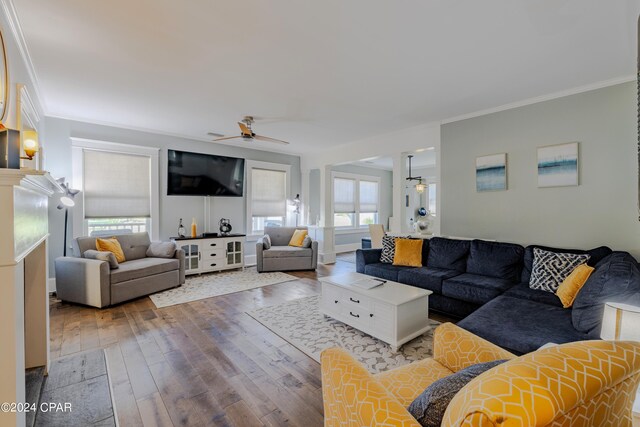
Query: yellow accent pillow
x=408 y=252
x=111 y=245
x=569 y=289
x=298 y=238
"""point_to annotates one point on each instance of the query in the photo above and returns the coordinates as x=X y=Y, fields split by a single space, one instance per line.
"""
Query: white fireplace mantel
x=24 y=299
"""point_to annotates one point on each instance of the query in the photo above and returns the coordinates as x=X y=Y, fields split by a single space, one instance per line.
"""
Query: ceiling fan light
x=420 y=187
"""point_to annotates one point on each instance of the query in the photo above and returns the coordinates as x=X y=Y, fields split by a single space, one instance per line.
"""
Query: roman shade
x=268 y=193
x=116 y=185
x=344 y=195
x=368 y=196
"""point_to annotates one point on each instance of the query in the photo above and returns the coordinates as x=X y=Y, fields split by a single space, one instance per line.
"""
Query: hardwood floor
x=202 y=363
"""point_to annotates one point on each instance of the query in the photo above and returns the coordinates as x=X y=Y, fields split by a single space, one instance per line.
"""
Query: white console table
x=207 y=254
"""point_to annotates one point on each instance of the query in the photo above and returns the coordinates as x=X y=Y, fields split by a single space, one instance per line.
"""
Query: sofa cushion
x=474 y=288
x=144 y=267
x=616 y=279
x=523 y=291
x=103 y=256
x=280 y=236
x=595 y=254
x=426 y=278
x=408 y=252
x=161 y=250
x=286 y=252
x=134 y=245
x=111 y=245
x=550 y=269
x=388 y=249
x=495 y=259
x=450 y=254
x=429 y=407
x=520 y=325
x=385 y=271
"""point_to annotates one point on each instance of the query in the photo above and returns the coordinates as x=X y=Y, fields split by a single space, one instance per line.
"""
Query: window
x=267 y=199
x=355 y=200
x=120 y=188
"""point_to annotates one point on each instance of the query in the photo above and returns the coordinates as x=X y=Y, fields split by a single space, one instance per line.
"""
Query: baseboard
x=51 y=284
x=350 y=247
x=250 y=260
x=327 y=258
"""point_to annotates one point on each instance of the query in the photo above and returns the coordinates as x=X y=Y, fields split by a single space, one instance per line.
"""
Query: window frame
x=255 y=164
x=79 y=145
x=357 y=177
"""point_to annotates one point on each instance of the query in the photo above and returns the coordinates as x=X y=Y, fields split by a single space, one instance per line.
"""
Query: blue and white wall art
x=491 y=173
x=558 y=165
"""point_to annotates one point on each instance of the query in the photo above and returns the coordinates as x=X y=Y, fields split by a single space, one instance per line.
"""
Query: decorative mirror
x=4 y=79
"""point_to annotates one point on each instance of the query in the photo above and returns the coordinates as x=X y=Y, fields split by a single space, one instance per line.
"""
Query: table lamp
x=620 y=322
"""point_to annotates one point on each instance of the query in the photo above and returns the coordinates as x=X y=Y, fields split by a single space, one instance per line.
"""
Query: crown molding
x=542 y=98
x=16 y=30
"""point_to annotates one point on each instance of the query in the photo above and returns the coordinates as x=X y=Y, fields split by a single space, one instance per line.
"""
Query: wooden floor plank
x=204 y=363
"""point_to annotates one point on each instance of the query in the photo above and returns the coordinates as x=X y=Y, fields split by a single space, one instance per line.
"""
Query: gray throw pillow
x=306 y=243
x=551 y=268
x=429 y=408
x=266 y=242
x=161 y=250
x=103 y=256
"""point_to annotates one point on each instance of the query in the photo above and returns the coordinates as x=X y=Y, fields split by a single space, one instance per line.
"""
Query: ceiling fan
x=246 y=133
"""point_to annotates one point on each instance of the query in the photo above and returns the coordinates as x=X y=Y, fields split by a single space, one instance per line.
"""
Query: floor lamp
x=66 y=202
x=296 y=203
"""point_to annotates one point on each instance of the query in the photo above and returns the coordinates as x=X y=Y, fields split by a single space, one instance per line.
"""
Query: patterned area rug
x=300 y=323
x=215 y=284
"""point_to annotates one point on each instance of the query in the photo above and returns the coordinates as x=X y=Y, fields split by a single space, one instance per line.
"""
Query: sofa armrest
x=354 y=397
x=83 y=281
x=367 y=256
x=180 y=256
x=259 y=250
x=457 y=348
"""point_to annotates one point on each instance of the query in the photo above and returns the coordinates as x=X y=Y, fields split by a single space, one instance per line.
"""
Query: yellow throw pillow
x=408 y=252
x=569 y=289
x=298 y=238
x=111 y=245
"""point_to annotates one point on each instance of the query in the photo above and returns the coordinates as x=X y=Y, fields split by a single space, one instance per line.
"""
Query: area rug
x=215 y=284
x=300 y=323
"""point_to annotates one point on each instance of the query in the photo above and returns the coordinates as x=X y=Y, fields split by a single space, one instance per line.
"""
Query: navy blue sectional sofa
x=487 y=285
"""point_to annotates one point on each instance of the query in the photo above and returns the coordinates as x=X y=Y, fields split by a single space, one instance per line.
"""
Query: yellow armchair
x=588 y=383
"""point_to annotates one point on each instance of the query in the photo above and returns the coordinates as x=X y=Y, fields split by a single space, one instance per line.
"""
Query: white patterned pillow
x=551 y=268
x=388 y=249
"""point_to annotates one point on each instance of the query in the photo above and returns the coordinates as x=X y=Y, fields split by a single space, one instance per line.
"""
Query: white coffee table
x=394 y=313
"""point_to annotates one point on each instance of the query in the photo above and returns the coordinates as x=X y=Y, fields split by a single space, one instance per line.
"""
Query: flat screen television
x=196 y=174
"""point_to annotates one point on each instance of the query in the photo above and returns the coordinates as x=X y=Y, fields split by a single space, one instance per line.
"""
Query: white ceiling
x=424 y=158
x=324 y=72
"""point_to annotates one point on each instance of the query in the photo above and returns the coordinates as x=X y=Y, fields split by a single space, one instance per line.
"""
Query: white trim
x=349 y=247
x=542 y=98
x=51 y=284
x=250 y=260
x=251 y=164
x=18 y=35
x=78 y=145
x=362 y=230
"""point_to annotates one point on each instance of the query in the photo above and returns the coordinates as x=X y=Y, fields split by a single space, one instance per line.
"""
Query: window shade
x=116 y=185
x=368 y=196
x=268 y=193
x=344 y=195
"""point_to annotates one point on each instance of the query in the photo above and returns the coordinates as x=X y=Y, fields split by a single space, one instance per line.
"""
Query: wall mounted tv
x=195 y=174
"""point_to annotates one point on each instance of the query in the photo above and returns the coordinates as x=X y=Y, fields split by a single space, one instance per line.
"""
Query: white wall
x=602 y=210
x=172 y=208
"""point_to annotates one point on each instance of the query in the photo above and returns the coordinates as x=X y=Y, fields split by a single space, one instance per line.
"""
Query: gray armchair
x=92 y=282
x=282 y=257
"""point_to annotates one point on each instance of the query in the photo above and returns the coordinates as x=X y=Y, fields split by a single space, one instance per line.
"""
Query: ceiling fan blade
x=226 y=137
x=244 y=128
x=216 y=134
x=267 y=139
